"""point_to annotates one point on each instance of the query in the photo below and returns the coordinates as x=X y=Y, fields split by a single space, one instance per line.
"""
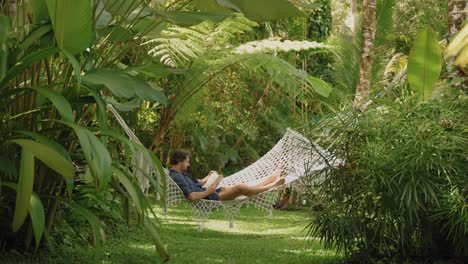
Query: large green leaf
x=116 y=34
x=124 y=106
x=60 y=103
x=120 y=84
x=4 y=26
x=92 y=219
x=123 y=85
x=153 y=70
x=320 y=86
x=36 y=212
x=133 y=191
x=154 y=93
x=147 y=155
x=76 y=68
x=25 y=62
x=190 y=18
x=25 y=187
x=38 y=10
x=150 y=27
x=121 y=7
x=212 y=6
x=262 y=10
x=101 y=106
x=151 y=228
x=72 y=23
x=424 y=62
x=48 y=155
x=96 y=155
x=49 y=142
x=35 y=35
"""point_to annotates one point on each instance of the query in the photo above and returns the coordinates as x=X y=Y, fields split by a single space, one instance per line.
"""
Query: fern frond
x=228 y=30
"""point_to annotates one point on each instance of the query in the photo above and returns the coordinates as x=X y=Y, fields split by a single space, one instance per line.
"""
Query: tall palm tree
x=365 y=67
x=456 y=15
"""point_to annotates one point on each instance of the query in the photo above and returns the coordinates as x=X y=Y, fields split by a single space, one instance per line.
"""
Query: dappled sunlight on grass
x=255 y=238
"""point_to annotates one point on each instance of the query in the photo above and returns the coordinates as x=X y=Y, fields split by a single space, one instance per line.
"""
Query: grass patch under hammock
x=255 y=238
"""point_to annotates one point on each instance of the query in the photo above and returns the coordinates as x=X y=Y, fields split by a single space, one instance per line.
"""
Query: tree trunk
x=367 y=54
x=456 y=15
x=163 y=126
x=455 y=19
x=351 y=18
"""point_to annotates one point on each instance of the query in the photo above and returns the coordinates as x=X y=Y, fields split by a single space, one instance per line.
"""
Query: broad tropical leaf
x=147 y=155
x=35 y=35
x=48 y=155
x=49 y=142
x=150 y=226
x=121 y=7
x=38 y=10
x=188 y=18
x=124 y=85
x=60 y=102
x=321 y=87
x=116 y=34
x=424 y=63
x=131 y=188
x=36 y=212
x=96 y=155
x=92 y=219
x=25 y=187
x=25 y=62
x=72 y=23
x=124 y=106
x=76 y=67
x=263 y=10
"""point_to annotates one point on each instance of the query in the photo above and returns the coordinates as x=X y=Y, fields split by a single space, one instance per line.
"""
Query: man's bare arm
x=195 y=196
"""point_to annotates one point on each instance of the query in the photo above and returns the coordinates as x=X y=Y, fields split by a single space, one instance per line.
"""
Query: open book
x=213 y=179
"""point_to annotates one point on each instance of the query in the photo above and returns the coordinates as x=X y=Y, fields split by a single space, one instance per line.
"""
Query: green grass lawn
x=255 y=238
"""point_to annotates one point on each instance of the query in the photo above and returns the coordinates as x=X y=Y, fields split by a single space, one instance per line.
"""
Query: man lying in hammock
x=194 y=191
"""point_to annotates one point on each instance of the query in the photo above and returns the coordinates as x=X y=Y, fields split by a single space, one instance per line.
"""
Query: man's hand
x=203 y=181
x=194 y=196
x=211 y=189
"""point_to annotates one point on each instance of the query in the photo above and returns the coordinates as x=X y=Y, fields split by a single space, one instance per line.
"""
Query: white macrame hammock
x=296 y=154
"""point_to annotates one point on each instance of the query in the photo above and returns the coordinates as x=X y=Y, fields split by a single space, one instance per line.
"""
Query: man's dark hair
x=179 y=155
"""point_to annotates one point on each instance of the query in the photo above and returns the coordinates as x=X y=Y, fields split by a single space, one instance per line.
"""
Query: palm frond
x=270 y=45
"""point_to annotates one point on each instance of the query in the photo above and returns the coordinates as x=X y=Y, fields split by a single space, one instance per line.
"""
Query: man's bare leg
x=231 y=193
x=272 y=178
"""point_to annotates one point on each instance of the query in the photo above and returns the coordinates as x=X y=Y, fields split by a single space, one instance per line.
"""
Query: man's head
x=180 y=160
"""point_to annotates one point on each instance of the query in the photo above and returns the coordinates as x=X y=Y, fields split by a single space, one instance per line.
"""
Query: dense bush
x=402 y=191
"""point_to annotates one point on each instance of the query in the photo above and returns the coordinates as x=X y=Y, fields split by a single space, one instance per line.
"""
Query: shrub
x=402 y=191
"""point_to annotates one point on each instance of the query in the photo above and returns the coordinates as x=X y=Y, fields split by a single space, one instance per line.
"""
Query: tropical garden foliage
x=383 y=80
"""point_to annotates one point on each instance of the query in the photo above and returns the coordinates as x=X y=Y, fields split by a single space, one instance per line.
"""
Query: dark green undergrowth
x=255 y=238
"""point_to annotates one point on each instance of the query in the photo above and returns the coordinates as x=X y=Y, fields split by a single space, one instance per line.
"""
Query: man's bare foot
x=279 y=182
x=269 y=179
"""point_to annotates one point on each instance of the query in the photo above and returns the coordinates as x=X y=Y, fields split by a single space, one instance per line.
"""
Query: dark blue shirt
x=188 y=185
